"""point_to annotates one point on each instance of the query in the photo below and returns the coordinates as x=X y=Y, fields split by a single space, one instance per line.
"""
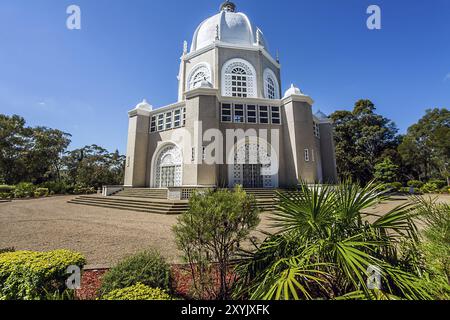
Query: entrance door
x=167 y=177
x=252 y=176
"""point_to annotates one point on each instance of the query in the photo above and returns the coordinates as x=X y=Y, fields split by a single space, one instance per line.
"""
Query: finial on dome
x=185 y=47
x=228 y=6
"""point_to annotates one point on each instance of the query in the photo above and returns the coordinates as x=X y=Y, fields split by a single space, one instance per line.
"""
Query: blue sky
x=84 y=82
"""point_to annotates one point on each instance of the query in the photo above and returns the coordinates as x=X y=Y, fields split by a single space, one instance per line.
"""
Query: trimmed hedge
x=138 y=292
x=7 y=189
x=41 y=192
x=148 y=268
x=27 y=275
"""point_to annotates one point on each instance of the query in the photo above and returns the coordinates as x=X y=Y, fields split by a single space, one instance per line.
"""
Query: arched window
x=271 y=87
x=199 y=73
x=238 y=79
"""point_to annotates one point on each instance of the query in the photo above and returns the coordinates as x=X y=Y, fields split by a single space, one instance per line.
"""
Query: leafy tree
x=426 y=147
x=386 y=171
x=210 y=234
x=362 y=137
x=29 y=154
x=94 y=166
x=326 y=246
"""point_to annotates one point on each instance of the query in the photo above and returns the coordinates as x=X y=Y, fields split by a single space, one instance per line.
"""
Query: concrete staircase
x=155 y=200
x=143 y=193
x=133 y=204
x=265 y=198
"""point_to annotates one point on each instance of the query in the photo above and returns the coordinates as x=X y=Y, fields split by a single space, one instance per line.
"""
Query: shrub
x=445 y=190
x=439 y=183
x=24 y=190
x=56 y=187
x=429 y=187
x=395 y=186
x=82 y=189
x=5 y=250
x=41 y=192
x=210 y=234
x=7 y=190
x=415 y=184
x=6 y=196
x=26 y=275
x=138 y=292
x=148 y=268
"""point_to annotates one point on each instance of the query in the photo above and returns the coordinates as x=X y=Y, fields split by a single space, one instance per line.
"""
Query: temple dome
x=293 y=91
x=229 y=27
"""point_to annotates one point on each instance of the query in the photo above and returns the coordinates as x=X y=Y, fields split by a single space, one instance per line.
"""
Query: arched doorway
x=168 y=167
x=252 y=167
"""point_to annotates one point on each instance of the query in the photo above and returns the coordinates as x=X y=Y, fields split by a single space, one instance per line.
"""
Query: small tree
x=386 y=171
x=210 y=233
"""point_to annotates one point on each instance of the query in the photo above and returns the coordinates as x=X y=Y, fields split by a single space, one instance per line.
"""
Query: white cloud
x=447 y=77
x=42 y=104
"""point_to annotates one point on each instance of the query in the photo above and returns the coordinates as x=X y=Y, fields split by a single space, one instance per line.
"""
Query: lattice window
x=271 y=87
x=197 y=75
x=239 y=79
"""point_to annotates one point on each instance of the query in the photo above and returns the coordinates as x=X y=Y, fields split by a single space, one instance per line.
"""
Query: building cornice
x=201 y=92
x=298 y=98
x=138 y=112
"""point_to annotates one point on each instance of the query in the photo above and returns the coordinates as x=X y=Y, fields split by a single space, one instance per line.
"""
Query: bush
x=445 y=190
x=82 y=189
x=5 y=250
x=41 y=192
x=138 y=292
x=439 y=183
x=57 y=187
x=430 y=187
x=415 y=184
x=148 y=268
x=7 y=190
x=26 y=275
x=210 y=235
x=24 y=190
x=6 y=196
x=395 y=186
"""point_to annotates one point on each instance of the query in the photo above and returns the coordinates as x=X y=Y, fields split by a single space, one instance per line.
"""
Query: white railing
x=110 y=190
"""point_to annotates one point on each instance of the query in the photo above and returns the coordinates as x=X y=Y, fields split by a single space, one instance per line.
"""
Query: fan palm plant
x=328 y=246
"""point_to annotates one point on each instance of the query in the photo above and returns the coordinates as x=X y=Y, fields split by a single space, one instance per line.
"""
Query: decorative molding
x=297 y=98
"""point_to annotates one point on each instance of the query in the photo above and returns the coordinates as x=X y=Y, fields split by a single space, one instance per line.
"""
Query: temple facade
x=231 y=124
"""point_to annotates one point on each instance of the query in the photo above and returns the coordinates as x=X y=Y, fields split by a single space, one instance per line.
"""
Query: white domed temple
x=229 y=85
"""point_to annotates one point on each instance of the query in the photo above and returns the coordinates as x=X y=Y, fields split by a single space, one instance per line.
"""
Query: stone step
x=134 y=205
x=156 y=207
x=143 y=193
x=120 y=207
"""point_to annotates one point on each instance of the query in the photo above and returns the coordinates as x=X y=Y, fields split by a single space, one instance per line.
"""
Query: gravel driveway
x=104 y=236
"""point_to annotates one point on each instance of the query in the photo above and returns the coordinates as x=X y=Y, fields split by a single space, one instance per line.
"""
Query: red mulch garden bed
x=91 y=282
